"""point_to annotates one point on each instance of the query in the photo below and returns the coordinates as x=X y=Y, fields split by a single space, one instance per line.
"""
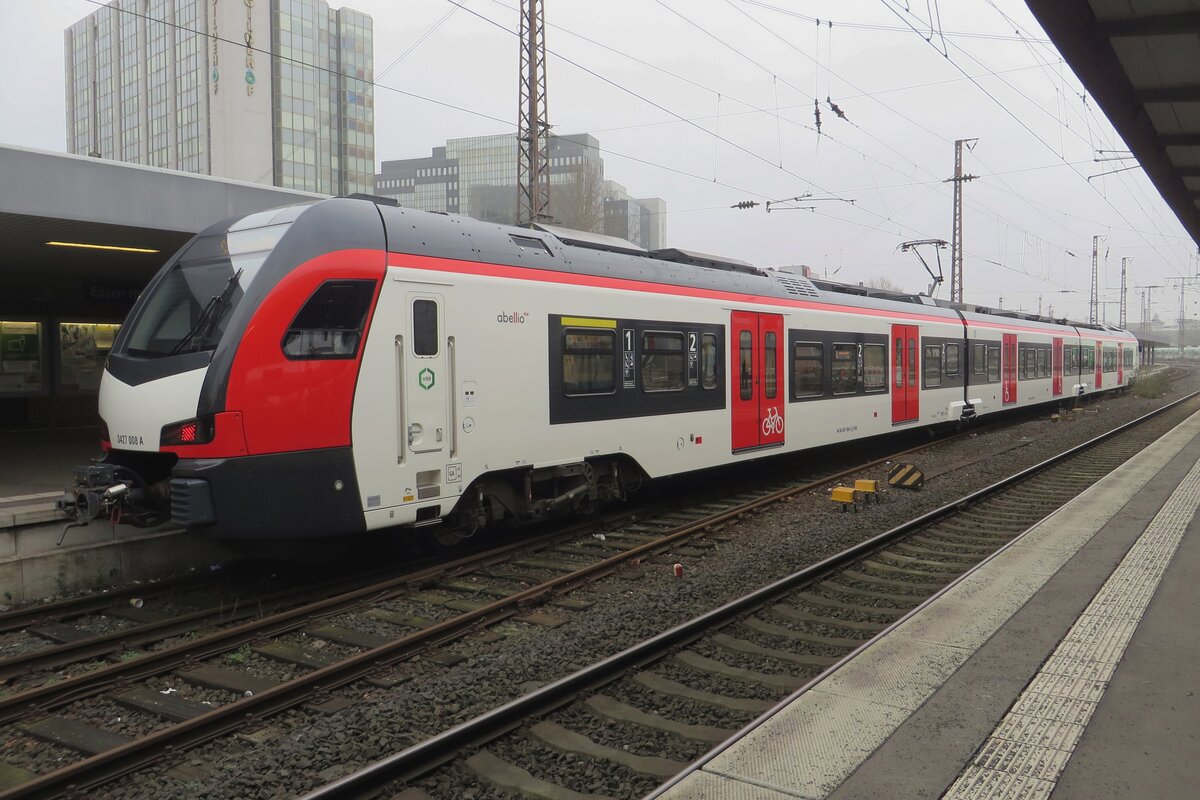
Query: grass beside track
x=1152 y=386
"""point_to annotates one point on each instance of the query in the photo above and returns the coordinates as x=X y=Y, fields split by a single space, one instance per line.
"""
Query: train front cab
x=227 y=395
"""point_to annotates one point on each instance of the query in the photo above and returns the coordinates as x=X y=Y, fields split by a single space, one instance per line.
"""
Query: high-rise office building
x=477 y=176
x=266 y=91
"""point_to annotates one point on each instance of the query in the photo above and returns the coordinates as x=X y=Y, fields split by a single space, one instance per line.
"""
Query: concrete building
x=477 y=176
x=167 y=83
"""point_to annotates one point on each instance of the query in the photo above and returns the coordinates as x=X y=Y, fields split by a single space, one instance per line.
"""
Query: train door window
x=589 y=362
x=425 y=327
x=933 y=365
x=845 y=369
x=745 y=365
x=664 y=368
x=978 y=359
x=874 y=366
x=770 y=378
x=807 y=370
x=708 y=361
x=993 y=364
x=330 y=323
x=898 y=369
x=912 y=361
x=951 y=360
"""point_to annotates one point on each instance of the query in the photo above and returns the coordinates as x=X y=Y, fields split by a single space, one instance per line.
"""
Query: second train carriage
x=351 y=365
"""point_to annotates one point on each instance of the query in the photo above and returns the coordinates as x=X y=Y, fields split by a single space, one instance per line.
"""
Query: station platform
x=35 y=462
x=1064 y=667
x=35 y=467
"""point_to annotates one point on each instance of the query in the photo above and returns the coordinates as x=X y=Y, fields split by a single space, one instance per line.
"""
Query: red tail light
x=190 y=431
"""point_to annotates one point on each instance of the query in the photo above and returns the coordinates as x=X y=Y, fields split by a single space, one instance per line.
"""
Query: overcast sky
x=706 y=103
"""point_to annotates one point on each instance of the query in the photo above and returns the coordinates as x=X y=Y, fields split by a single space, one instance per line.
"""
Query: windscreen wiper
x=209 y=314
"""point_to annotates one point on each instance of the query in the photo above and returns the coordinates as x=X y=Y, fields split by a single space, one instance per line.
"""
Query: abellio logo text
x=515 y=318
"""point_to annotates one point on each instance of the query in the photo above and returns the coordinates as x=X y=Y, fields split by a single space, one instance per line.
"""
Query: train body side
x=388 y=367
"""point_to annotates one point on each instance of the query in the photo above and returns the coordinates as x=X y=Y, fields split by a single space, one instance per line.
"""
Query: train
x=350 y=365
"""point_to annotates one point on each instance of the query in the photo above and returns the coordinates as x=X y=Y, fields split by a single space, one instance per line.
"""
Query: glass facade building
x=477 y=176
x=164 y=83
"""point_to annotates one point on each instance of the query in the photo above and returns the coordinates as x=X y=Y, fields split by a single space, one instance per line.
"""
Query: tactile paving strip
x=1026 y=754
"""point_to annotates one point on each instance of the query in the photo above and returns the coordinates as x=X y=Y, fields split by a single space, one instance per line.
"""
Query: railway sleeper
x=800 y=615
x=564 y=740
x=947 y=556
x=613 y=710
x=498 y=773
x=914 y=565
x=891 y=612
x=774 y=680
x=670 y=688
x=906 y=601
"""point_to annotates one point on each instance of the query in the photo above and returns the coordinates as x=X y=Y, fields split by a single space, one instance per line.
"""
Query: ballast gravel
x=308 y=749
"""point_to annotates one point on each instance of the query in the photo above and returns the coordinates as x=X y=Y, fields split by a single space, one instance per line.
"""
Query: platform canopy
x=1140 y=60
x=144 y=213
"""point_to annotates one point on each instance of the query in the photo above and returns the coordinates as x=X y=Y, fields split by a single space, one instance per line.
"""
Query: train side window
x=708 y=361
x=1030 y=364
x=845 y=369
x=978 y=359
x=589 y=362
x=933 y=365
x=874 y=366
x=330 y=323
x=770 y=378
x=745 y=365
x=808 y=367
x=1089 y=358
x=664 y=368
x=1043 y=363
x=425 y=328
x=993 y=364
x=952 y=360
x=1128 y=356
x=1070 y=359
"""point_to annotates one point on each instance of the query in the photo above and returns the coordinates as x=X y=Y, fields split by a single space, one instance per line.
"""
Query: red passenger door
x=1056 y=357
x=1008 y=367
x=906 y=395
x=756 y=359
x=1120 y=363
x=1099 y=365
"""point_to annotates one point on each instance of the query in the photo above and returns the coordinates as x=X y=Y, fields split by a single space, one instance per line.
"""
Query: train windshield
x=190 y=306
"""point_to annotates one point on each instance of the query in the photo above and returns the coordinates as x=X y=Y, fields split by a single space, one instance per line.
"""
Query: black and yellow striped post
x=906 y=476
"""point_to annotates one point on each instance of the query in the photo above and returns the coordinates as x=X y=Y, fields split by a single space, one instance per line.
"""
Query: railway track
x=237 y=676
x=634 y=719
x=248 y=670
x=360 y=632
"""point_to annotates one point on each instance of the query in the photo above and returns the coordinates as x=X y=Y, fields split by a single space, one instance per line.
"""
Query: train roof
x=555 y=248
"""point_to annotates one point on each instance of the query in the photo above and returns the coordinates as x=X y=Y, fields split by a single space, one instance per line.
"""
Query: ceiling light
x=103 y=247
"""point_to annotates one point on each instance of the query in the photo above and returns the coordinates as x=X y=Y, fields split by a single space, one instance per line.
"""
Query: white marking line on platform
x=20 y=497
x=1030 y=747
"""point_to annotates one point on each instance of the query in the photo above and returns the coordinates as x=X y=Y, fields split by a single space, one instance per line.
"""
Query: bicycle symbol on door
x=772 y=425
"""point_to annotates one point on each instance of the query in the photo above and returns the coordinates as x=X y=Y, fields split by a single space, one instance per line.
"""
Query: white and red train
x=349 y=365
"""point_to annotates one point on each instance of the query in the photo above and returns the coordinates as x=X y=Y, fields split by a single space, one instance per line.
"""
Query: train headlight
x=191 y=431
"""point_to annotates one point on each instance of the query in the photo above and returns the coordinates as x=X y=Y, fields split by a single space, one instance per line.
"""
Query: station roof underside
x=1141 y=62
x=54 y=197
